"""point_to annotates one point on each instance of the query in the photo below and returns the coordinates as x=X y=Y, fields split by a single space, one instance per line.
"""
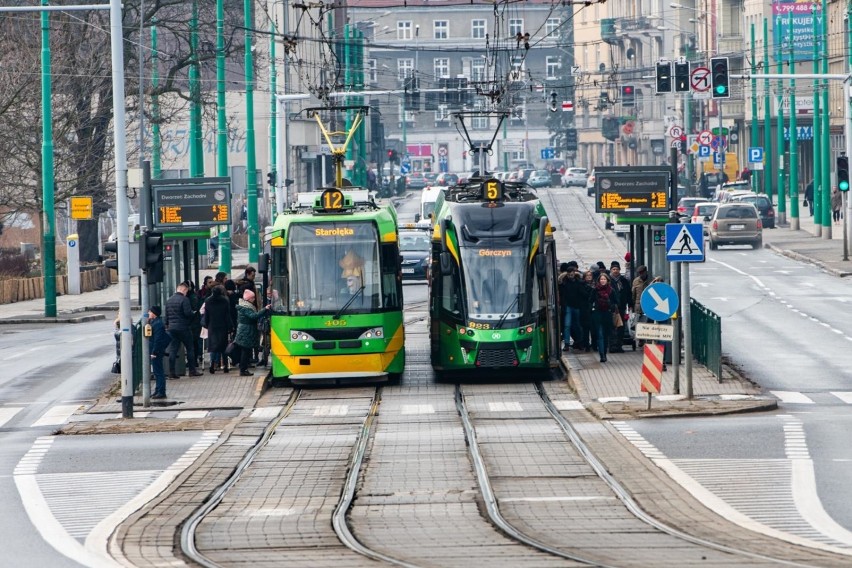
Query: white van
x=427 y=205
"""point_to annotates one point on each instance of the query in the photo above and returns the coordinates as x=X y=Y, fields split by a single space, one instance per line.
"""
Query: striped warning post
x=652 y=368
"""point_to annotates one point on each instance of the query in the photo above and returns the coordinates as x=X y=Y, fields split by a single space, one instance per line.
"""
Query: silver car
x=574 y=176
x=735 y=224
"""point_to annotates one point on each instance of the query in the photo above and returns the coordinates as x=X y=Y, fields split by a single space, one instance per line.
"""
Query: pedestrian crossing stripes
x=8 y=413
x=505 y=407
x=795 y=397
x=56 y=416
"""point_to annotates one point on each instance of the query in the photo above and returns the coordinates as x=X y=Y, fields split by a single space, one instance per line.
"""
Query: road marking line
x=266 y=413
x=56 y=415
x=417 y=409
x=791 y=397
x=193 y=414
x=568 y=405
x=845 y=396
x=556 y=499
x=8 y=413
x=332 y=410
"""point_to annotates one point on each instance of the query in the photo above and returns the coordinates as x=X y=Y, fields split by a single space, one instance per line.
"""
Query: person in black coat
x=179 y=316
x=621 y=286
x=217 y=320
x=157 y=347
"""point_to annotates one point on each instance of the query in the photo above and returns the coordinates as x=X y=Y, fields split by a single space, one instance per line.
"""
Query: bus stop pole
x=686 y=316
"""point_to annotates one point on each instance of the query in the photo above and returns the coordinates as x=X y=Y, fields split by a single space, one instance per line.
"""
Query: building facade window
x=516 y=26
x=479 y=122
x=551 y=27
x=442 y=114
x=551 y=64
x=518 y=68
x=403 y=30
x=441 y=29
x=373 y=71
x=478 y=29
x=441 y=67
x=404 y=68
x=477 y=70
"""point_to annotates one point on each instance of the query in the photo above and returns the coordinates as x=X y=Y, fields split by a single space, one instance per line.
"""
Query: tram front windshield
x=495 y=282
x=333 y=265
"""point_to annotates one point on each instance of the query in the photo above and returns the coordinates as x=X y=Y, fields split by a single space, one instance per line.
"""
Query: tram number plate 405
x=654 y=331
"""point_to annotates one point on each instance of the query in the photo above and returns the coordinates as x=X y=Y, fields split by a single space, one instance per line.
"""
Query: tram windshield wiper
x=506 y=313
x=347 y=304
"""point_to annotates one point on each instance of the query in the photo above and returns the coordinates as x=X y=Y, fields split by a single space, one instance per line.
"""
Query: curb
x=79 y=319
x=808 y=260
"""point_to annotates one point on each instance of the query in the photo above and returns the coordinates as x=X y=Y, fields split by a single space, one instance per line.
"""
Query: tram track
x=527 y=514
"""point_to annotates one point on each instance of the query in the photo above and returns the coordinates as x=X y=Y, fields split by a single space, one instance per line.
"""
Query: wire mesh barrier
x=706 y=337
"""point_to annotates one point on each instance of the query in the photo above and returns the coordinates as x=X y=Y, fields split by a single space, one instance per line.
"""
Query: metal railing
x=706 y=337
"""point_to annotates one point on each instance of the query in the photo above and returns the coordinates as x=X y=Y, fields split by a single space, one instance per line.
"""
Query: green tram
x=336 y=290
x=493 y=294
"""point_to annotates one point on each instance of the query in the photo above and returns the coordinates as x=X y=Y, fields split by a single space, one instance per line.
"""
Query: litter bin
x=555 y=179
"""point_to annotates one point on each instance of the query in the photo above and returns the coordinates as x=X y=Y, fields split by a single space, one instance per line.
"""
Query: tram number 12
x=332 y=199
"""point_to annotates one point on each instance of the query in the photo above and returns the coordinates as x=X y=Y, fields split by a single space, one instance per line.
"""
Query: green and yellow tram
x=493 y=294
x=336 y=290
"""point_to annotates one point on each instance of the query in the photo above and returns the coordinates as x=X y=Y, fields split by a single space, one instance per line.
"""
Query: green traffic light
x=721 y=89
x=844 y=186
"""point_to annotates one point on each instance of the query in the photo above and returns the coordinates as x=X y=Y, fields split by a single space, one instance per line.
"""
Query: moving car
x=416 y=251
x=416 y=180
x=574 y=176
x=686 y=205
x=764 y=207
x=446 y=179
x=590 y=184
x=735 y=224
x=539 y=178
x=702 y=212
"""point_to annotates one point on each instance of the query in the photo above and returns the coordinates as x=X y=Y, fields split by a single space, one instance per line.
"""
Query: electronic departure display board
x=190 y=204
x=632 y=192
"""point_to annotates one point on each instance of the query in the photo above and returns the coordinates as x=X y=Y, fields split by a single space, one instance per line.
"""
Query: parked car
x=539 y=178
x=416 y=180
x=521 y=174
x=702 y=212
x=590 y=184
x=727 y=190
x=735 y=224
x=416 y=250
x=687 y=204
x=574 y=176
x=764 y=207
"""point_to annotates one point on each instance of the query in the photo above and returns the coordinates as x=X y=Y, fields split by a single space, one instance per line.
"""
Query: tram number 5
x=493 y=190
x=332 y=200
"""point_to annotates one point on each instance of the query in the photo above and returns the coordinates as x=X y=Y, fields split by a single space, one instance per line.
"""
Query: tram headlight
x=373 y=333
x=297 y=335
x=462 y=331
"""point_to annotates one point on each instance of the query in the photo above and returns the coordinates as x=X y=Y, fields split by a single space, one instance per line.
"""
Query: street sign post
x=699 y=79
x=705 y=137
x=659 y=301
x=685 y=242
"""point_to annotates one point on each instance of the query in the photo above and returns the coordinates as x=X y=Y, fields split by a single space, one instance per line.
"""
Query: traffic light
x=412 y=93
x=681 y=76
x=393 y=156
x=554 y=105
x=270 y=178
x=151 y=255
x=628 y=96
x=719 y=78
x=111 y=246
x=664 y=77
x=843 y=173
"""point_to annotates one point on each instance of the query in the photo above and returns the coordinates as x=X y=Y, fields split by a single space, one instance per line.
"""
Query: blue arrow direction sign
x=685 y=242
x=659 y=301
x=404 y=168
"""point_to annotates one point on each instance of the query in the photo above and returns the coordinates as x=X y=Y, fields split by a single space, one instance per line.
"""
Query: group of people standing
x=596 y=305
x=225 y=313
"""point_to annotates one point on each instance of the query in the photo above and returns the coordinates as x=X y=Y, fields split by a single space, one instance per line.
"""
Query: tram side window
x=279 y=280
x=391 y=285
x=451 y=292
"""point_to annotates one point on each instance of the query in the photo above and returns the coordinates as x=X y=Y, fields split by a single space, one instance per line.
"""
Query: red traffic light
x=628 y=90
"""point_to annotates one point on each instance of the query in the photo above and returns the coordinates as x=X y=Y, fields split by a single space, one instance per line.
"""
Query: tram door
x=551 y=292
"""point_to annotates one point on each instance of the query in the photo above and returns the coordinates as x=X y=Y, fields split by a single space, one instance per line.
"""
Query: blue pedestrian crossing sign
x=659 y=301
x=685 y=242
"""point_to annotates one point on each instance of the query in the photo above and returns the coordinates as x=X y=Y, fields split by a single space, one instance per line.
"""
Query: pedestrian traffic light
x=151 y=256
x=111 y=246
x=681 y=76
x=270 y=178
x=554 y=104
x=664 y=77
x=628 y=96
x=393 y=156
x=843 y=173
x=719 y=78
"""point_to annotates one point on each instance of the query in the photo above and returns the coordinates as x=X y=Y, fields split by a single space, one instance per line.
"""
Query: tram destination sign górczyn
x=632 y=192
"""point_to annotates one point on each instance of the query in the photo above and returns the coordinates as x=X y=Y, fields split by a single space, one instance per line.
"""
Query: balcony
x=608 y=32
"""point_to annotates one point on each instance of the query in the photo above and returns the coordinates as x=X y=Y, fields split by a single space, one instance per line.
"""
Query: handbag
x=116 y=367
x=805 y=203
x=230 y=348
x=616 y=320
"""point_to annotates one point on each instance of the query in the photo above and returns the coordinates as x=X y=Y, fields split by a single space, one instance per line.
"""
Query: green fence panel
x=706 y=337
x=137 y=356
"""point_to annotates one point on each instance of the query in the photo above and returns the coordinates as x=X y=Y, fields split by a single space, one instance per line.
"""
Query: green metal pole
x=222 y=130
x=251 y=164
x=767 y=118
x=361 y=134
x=273 y=113
x=347 y=58
x=817 y=122
x=826 y=131
x=753 y=140
x=48 y=242
x=156 y=164
x=794 y=140
x=779 y=127
x=195 y=169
